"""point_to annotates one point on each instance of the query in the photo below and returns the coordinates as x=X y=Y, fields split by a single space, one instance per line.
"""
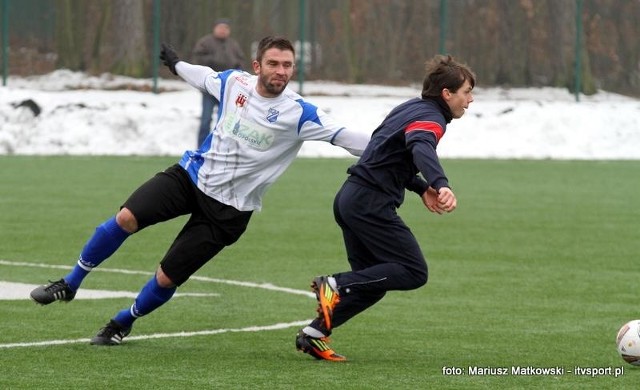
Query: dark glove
x=169 y=58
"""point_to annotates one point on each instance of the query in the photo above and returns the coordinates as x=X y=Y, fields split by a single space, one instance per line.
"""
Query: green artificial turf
x=534 y=272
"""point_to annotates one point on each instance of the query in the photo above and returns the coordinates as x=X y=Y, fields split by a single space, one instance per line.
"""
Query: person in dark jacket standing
x=220 y=52
x=383 y=253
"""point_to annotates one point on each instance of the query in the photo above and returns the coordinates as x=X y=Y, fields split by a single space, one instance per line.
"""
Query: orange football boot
x=317 y=347
x=327 y=298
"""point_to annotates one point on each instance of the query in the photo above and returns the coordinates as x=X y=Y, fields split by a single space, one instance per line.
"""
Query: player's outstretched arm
x=352 y=141
x=195 y=75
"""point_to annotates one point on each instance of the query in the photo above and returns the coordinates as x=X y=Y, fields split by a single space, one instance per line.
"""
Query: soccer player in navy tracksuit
x=383 y=253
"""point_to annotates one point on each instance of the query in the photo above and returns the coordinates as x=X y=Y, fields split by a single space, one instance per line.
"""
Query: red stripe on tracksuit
x=432 y=127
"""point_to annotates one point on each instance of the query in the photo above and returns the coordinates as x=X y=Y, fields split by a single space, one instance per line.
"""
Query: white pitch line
x=266 y=286
x=164 y=335
x=10 y=291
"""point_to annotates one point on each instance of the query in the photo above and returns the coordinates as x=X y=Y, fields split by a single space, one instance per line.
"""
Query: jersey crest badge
x=272 y=115
x=241 y=100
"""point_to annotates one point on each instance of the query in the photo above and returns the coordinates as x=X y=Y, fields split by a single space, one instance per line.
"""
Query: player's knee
x=419 y=278
x=423 y=278
x=163 y=280
x=126 y=220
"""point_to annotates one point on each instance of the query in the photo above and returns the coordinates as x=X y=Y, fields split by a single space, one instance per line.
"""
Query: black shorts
x=211 y=227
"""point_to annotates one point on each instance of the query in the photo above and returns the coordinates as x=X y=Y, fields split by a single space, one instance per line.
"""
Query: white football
x=628 y=342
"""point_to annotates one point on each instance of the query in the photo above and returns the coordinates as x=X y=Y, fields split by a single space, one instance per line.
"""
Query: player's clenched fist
x=439 y=202
x=447 y=199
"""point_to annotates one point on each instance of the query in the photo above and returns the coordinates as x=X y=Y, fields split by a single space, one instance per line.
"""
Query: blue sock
x=151 y=297
x=107 y=239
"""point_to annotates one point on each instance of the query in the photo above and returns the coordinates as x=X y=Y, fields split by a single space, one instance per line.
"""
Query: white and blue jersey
x=255 y=138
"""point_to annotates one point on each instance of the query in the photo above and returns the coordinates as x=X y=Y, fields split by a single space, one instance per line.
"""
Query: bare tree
x=124 y=48
x=507 y=42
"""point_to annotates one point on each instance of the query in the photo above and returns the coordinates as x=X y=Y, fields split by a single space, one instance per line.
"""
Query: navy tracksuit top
x=403 y=145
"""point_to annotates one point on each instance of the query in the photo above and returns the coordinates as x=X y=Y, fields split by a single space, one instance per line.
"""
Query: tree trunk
x=124 y=49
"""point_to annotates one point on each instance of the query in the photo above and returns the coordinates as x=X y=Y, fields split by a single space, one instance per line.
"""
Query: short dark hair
x=222 y=21
x=278 y=42
x=445 y=72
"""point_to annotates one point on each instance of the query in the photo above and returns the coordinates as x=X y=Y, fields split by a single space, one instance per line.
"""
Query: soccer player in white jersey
x=261 y=127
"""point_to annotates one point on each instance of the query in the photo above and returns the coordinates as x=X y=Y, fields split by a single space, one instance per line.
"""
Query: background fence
x=506 y=42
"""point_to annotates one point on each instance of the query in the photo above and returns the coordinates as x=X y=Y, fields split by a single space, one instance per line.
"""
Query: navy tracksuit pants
x=383 y=253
